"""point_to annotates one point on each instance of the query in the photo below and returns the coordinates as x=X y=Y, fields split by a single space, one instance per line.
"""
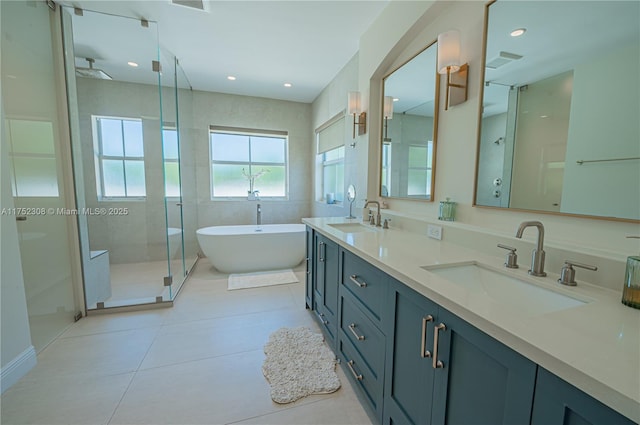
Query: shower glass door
x=39 y=167
x=179 y=180
x=172 y=174
x=114 y=72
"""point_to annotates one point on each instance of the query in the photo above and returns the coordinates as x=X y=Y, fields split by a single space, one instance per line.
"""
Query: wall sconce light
x=354 y=108
x=449 y=63
x=388 y=115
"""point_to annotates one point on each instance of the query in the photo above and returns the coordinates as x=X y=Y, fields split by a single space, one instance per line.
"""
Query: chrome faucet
x=537 y=258
x=378 y=216
x=258 y=215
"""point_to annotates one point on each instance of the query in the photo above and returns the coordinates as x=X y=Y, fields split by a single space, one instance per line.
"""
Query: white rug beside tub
x=298 y=364
x=259 y=279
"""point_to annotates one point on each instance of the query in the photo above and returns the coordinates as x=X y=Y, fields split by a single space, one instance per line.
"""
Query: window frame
x=323 y=163
x=99 y=156
x=428 y=167
x=171 y=127
x=284 y=135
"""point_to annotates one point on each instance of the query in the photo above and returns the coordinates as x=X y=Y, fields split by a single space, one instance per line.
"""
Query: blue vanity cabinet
x=361 y=342
x=308 y=293
x=326 y=272
x=557 y=402
x=464 y=376
x=478 y=379
x=409 y=375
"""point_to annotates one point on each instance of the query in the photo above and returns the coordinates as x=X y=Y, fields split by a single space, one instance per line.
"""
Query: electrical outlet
x=434 y=232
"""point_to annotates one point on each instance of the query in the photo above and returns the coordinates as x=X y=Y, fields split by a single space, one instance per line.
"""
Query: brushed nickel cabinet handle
x=350 y=364
x=423 y=351
x=321 y=251
x=437 y=364
x=321 y=317
x=352 y=328
x=354 y=279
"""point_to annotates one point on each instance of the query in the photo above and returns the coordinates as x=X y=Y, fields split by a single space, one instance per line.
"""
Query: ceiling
x=560 y=35
x=264 y=44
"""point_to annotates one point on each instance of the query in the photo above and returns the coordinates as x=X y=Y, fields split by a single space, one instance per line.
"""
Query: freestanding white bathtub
x=242 y=249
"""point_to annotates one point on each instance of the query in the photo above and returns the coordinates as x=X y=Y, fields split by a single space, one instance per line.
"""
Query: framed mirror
x=409 y=128
x=559 y=129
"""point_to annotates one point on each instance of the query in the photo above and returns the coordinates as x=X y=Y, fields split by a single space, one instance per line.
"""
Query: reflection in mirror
x=559 y=130
x=410 y=128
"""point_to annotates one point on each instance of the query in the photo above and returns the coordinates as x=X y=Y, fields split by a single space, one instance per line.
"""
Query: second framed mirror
x=410 y=127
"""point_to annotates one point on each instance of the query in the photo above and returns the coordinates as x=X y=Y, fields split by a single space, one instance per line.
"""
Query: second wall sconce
x=354 y=108
x=388 y=114
x=449 y=63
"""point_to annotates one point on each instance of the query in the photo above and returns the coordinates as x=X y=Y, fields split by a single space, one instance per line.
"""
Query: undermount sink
x=353 y=227
x=509 y=291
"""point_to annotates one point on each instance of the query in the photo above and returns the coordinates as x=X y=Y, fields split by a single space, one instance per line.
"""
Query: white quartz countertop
x=594 y=346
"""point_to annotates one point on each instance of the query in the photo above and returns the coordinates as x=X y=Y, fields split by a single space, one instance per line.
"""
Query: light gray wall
x=16 y=335
x=330 y=102
x=491 y=164
x=604 y=124
x=260 y=113
x=140 y=235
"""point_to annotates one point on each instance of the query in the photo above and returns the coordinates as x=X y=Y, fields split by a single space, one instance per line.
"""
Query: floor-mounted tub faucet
x=537 y=258
x=258 y=215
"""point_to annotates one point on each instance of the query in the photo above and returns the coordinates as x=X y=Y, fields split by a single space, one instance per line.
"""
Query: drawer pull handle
x=320 y=316
x=352 y=328
x=350 y=364
x=354 y=279
x=423 y=351
x=437 y=364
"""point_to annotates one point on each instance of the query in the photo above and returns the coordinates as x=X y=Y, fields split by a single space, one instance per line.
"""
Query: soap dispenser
x=631 y=289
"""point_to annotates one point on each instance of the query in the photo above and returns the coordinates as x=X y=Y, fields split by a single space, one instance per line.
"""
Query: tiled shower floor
x=196 y=363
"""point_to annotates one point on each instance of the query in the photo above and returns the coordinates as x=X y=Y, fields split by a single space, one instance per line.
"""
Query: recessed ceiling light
x=395 y=99
x=133 y=64
x=231 y=78
x=518 y=32
x=287 y=84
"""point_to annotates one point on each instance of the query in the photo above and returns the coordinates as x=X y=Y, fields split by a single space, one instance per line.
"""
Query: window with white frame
x=32 y=155
x=333 y=173
x=120 y=157
x=385 y=178
x=171 y=160
x=244 y=161
x=330 y=160
x=419 y=170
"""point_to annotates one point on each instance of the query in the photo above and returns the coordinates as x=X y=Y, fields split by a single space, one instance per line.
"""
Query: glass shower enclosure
x=127 y=143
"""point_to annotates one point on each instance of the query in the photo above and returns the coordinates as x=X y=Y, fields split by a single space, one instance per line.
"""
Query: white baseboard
x=17 y=368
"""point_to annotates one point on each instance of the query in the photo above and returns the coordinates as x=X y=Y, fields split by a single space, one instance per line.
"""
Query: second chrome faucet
x=537 y=257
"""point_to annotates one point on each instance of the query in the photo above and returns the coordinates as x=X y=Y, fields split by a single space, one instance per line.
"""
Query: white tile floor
x=196 y=363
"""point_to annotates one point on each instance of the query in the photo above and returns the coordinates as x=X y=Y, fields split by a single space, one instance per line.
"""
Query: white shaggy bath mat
x=258 y=279
x=298 y=364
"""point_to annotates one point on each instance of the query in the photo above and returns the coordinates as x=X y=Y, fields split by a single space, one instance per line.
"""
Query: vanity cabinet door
x=309 y=268
x=408 y=388
x=326 y=271
x=556 y=402
x=479 y=379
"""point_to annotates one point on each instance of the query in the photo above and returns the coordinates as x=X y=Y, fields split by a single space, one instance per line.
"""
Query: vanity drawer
x=326 y=323
x=363 y=334
x=365 y=282
x=359 y=373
